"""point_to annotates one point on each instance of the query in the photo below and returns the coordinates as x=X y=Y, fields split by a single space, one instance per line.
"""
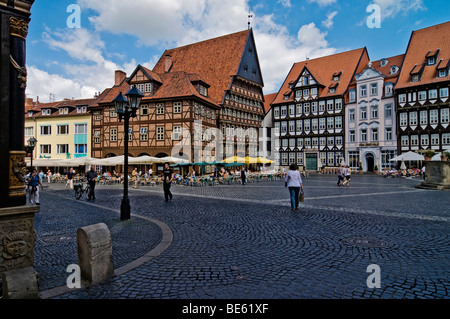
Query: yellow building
x=62 y=129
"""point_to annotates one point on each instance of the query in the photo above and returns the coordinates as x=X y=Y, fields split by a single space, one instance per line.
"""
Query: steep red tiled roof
x=215 y=60
x=425 y=42
x=323 y=69
x=174 y=85
x=386 y=69
x=268 y=99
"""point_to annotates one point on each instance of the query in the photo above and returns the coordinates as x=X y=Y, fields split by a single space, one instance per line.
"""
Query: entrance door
x=311 y=161
x=370 y=161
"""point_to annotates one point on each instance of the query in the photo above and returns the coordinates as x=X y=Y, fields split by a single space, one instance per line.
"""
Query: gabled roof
x=174 y=85
x=323 y=69
x=71 y=104
x=425 y=42
x=215 y=61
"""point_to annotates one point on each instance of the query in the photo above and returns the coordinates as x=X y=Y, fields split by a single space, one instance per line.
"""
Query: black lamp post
x=31 y=144
x=127 y=108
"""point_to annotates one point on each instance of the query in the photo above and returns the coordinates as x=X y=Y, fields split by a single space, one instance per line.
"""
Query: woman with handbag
x=294 y=182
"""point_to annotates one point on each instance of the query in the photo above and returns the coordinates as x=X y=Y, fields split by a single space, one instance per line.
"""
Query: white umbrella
x=172 y=159
x=408 y=156
x=145 y=159
x=46 y=162
x=403 y=166
x=79 y=161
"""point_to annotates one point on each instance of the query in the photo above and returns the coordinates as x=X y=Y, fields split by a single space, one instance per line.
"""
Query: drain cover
x=58 y=238
x=365 y=242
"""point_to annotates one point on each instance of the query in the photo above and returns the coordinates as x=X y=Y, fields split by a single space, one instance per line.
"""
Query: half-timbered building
x=308 y=111
x=422 y=91
x=200 y=101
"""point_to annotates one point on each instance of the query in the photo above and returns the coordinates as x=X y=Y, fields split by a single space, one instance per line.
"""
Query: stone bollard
x=95 y=253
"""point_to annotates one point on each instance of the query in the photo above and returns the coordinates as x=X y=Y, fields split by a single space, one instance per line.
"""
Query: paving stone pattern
x=244 y=242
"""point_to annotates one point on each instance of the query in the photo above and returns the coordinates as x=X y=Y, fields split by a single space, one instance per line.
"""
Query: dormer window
x=203 y=90
x=30 y=113
x=383 y=62
x=144 y=87
x=442 y=68
x=337 y=76
x=81 y=109
x=394 y=69
x=416 y=72
x=46 y=112
x=432 y=57
x=431 y=60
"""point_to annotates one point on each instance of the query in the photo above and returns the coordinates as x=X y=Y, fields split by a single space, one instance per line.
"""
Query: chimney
x=119 y=77
x=168 y=63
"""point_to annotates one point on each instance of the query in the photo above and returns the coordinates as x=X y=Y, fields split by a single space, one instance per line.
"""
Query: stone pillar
x=14 y=19
x=17 y=234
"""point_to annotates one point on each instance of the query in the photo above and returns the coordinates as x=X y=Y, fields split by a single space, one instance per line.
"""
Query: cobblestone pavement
x=244 y=242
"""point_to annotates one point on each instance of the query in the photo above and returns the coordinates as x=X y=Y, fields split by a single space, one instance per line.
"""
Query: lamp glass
x=134 y=96
x=120 y=103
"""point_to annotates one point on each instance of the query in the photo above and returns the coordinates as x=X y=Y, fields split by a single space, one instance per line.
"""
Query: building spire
x=250 y=16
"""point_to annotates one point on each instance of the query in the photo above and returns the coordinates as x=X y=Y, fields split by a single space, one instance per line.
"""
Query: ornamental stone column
x=17 y=234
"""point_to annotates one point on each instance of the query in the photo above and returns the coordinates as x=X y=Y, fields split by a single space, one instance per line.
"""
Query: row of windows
x=372 y=135
x=242 y=100
x=46 y=149
x=240 y=115
x=143 y=134
x=422 y=95
x=61 y=129
x=327 y=158
x=365 y=89
x=425 y=139
x=322 y=123
x=307 y=108
x=373 y=109
x=424 y=117
x=231 y=130
x=306 y=142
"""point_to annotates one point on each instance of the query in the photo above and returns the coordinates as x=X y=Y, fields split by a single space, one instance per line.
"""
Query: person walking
x=91 y=176
x=49 y=176
x=70 y=174
x=340 y=172
x=167 y=181
x=34 y=181
x=243 y=176
x=347 y=174
x=293 y=181
x=135 y=175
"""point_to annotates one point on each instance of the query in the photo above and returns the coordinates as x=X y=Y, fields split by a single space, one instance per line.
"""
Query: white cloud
x=161 y=23
x=278 y=50
x=391 y=8
x=285 y=3
x=328 y=23
x=323 y=3
x=41 y=84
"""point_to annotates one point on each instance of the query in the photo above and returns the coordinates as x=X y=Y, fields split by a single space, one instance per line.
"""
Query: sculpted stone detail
x=23 y=73
x=17 y=173
x=18 y=27
x=17 y=240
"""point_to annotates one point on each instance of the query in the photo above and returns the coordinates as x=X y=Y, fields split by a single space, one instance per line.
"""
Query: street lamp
x=31 y=144
x=127 y=108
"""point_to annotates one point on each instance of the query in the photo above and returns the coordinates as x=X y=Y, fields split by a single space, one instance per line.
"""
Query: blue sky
x=114 y=34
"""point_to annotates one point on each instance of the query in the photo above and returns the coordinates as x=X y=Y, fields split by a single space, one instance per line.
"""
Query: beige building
x=62 y=129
